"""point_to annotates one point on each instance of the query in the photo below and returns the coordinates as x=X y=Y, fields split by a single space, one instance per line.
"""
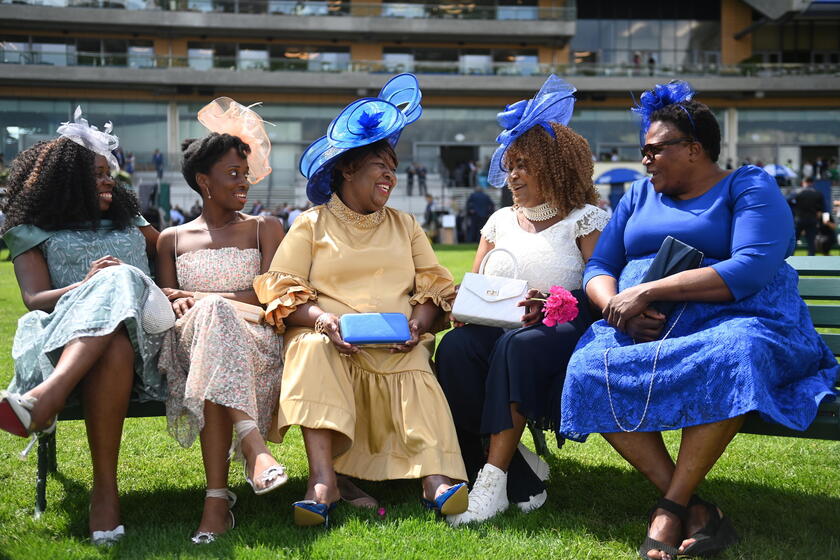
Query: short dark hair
x=351 y=159
x=199 y=155
x=695 y=120
x=52 y=185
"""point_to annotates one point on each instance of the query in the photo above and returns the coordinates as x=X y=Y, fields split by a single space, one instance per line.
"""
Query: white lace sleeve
x=488 y=232
x=591 y=219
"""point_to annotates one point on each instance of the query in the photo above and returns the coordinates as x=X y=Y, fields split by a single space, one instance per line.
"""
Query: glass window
x=14 y=49
x=398 y=62
x=141 y=55
x=53 y=51
x=644 y=34
x=252 y=57
x=586 y=35
x=475 y=64
x=328 y=61
x=200 y=56
x=116 y=52
x=89 y=52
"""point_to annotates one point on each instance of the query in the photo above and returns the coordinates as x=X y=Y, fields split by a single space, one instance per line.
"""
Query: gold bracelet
x=321 y=323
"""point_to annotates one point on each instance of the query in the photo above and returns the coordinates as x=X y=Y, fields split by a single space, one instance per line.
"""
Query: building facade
x=769 y=68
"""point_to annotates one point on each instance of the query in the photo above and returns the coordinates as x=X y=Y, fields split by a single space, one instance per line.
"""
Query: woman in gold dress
x=367 y=412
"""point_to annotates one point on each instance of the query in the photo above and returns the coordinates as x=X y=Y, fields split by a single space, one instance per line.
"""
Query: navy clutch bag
x=370 y=329
x=673 y=256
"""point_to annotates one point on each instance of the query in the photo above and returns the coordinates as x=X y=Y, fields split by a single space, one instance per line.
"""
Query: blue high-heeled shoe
x=309 y=513
x=453 y=501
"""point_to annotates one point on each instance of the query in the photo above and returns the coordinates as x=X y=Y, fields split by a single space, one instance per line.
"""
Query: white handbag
x=491 y=300
x=157 y=315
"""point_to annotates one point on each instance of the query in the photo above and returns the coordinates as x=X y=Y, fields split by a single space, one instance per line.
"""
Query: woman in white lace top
x=496 y=380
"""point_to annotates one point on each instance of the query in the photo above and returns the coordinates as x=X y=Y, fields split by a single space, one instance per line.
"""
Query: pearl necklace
x=539 y=213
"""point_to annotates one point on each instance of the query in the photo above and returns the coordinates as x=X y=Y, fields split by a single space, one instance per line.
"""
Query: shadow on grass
x=604 y=503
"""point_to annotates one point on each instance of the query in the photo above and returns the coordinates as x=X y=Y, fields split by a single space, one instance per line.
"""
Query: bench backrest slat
x=820 y=288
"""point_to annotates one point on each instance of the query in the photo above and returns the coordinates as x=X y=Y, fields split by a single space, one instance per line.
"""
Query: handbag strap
x=652 y=377
x=501 y=249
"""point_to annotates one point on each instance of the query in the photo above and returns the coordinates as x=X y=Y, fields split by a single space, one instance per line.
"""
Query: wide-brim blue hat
x=555 y=102
x=363 y=122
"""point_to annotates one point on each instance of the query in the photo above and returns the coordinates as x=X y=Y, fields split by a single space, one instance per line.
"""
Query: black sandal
x=715 y=536
x=652 y=544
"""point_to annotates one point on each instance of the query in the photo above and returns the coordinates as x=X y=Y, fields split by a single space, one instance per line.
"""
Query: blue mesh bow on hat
x=555 y=102
x=662 y=95
x=363 y=122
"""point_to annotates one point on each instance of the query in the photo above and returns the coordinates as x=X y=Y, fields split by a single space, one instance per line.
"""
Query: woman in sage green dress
x=70 y=228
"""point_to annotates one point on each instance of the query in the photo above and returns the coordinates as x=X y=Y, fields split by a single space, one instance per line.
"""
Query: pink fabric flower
x=560 y=307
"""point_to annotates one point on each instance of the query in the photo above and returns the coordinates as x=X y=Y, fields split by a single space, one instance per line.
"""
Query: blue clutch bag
x=374 y=328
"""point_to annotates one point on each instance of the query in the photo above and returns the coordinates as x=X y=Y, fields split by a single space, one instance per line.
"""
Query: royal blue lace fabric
x=721 y=360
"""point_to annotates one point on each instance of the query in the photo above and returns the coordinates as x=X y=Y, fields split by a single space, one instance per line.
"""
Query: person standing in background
x=157 y=160
x=410 y=172
x=421 y=179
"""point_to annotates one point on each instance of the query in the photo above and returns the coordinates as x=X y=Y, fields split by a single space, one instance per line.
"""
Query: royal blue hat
x=363 y=122
x=662 y=95
x=555 y=102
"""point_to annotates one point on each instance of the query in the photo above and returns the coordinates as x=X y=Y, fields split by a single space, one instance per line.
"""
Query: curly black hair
x=200 y=154
x=52 y=185
x=701 y=125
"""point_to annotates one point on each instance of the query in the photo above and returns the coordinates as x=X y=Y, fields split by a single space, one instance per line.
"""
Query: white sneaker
x=488 y=497
x=535 y=502
x=537 y=463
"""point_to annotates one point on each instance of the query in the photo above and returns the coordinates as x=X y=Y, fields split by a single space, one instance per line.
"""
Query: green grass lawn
x=782 y=494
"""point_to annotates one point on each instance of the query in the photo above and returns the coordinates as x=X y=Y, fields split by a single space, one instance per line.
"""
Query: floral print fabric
x=212 y=354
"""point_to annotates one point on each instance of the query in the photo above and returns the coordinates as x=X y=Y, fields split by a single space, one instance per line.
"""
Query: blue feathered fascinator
x=555 y=102
x=661 y=96
x=365 y=121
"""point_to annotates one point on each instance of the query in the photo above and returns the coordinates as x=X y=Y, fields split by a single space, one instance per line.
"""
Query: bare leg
x=503 y=444
x=215 y=444
x=257 y=456
x=354 y=495
x=700 y=448
x=647 y=453
x=76 y=360
x=322 y=486
x=106 y=390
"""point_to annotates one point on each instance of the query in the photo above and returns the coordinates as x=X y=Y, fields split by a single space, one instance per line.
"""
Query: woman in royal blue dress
x=742 y=341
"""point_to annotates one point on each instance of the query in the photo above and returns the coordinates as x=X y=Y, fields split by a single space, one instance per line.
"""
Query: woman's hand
x=647 y=326
x=181 y=305
x=173 y=294
x=99 y=264
x=414 y=328
x=625 y=305
x=534 y=308
x=328 y=325
x=455 y=323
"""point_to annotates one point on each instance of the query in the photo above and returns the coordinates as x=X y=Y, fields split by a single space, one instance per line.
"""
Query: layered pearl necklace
x=539 y=213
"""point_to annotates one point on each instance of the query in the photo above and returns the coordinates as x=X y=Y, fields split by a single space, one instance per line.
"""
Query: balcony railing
x=237 y=64
x=437 y=10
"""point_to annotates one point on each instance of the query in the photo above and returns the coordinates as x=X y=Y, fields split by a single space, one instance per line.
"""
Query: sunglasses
x=651 y=150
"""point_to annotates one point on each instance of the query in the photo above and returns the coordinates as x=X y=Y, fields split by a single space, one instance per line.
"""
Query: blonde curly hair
x=562 y=166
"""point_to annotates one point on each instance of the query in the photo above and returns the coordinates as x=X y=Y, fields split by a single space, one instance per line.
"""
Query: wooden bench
x=819 y=282
x=46 y=444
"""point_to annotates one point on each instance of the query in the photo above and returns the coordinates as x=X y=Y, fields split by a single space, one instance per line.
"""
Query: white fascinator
x=101 y=142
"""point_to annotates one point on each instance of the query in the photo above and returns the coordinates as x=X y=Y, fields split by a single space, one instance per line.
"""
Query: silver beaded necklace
x=539 y=213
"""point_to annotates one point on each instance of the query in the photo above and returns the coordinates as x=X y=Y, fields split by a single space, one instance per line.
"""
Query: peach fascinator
x=225 y=116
